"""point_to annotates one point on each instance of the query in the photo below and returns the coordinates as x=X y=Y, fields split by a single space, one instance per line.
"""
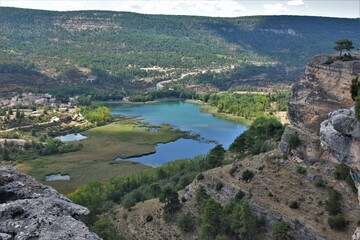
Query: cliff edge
x=30 y=210
x=324 y=88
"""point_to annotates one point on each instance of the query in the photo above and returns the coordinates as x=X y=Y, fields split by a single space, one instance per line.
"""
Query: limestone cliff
x=30 y=210
x=324 y=88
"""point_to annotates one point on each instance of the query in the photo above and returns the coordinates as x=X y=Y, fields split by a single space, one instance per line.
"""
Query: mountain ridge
x=115 y=47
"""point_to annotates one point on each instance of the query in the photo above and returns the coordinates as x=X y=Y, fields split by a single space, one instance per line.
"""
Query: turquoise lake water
x=187 y=117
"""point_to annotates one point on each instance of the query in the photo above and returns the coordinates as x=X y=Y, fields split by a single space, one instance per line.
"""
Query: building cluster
x=28 y=99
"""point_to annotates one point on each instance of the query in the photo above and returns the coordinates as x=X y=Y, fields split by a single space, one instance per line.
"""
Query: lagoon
x=187 y=117
x=72 y=137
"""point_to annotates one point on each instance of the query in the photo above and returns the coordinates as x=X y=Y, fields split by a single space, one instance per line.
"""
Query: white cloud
x=220 y=8
x=295 y=3
x=275 y=8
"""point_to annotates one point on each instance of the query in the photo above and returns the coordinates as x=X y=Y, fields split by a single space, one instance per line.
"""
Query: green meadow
x=95 y=161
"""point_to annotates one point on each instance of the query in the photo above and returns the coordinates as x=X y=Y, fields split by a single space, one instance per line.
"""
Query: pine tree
x=243 y=222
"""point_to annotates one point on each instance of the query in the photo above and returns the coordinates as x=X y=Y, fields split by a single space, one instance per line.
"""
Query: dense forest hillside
x=114 y=48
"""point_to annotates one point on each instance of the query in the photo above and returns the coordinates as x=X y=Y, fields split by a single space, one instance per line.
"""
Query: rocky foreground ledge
x=30 y=210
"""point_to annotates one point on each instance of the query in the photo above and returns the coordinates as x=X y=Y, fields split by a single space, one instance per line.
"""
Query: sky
x=215 y=8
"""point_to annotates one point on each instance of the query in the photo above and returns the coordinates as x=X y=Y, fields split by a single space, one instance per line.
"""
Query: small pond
x=56 y=177
x=72 y=137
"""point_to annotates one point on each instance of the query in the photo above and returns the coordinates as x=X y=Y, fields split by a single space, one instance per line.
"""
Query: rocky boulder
x=30 y=210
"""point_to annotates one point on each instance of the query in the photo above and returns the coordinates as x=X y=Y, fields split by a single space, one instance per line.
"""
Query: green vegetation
x=95 y=160
x=337 y=222
x=333 y=203
x=98 y=115
x=342 y=172
x=247 y=175
x=244 y=222
x=105 y=229
x=215 y=157
x=336 y=219
x=355 y=95
x=170 y=197
x=301 y=170
x=185 y=222
x=248 y=106
x=141 y=186
x=280 y=230
x=293 y=141
x=211 y=214
x=294 y=205
x=343 y=44
x=201 y=196
x=262 y=136
x=113 y=48
x=175 y=92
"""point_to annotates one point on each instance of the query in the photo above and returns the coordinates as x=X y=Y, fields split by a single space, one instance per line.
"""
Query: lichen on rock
x=30 y=210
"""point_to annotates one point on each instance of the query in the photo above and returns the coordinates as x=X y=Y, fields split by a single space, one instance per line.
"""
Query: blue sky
x=219 y=8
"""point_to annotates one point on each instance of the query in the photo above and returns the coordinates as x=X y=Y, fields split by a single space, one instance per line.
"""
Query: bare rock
x=30 y=210
x=324 y=88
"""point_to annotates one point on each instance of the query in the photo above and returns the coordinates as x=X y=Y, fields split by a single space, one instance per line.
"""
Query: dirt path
x=24 y=127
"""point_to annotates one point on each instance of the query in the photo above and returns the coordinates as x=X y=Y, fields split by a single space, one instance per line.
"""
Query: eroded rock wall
x=324 y=88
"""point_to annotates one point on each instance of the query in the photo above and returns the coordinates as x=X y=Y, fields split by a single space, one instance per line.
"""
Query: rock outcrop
x=30 y=210
x=324 y=88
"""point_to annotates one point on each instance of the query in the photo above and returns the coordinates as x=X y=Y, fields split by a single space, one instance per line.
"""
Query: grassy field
x=96 y=160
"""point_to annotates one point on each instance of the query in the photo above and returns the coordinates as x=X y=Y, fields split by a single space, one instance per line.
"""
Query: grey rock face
x=340 y=135
x=30 y=210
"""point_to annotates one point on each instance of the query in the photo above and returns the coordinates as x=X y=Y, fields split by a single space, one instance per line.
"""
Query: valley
x=179 y=127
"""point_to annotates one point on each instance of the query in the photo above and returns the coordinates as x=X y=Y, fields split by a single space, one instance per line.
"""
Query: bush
x=185 y=222
x=333 y=204
x=219 y=186
x=357 y=108
x=149 y=218
x=337 y=222
x=319 y=182
x=293 y=141
x=232 y=170
x=239 y=195
x=200 y=177
x=247 y=175
x=301 y=170
x=280 y=230
x=342 y=172
x=294 y=205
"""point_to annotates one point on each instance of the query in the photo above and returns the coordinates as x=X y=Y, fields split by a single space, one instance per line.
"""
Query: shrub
x=232 y=170
x=319 y=182
x=333 y=204
x=280 y=230
x=149 y=218
x=247 y=175
x=239 y=195
x=293 y=141
x=329 y=61
x=357 y=108
x=201 y=196
x=185 y=222
x=342 y=172
x=294 y=205
x=219 y=186
x=301 y=170
x=200 y=177
x=337 y=222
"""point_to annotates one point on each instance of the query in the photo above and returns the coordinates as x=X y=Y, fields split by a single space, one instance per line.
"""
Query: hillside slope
x=115 y=47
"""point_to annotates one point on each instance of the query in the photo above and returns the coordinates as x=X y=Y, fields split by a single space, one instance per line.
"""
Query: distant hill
x=67 y=48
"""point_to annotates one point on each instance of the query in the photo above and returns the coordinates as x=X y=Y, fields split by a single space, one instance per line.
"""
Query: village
x=30 y=105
